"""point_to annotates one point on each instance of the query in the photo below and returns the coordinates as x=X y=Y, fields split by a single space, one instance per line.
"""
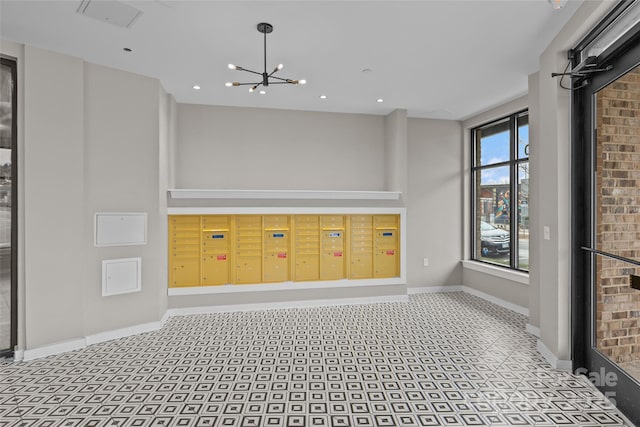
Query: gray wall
x=553 y=169
x=122 y=174
x=434 y=208
x=257 y=149
x=89 y=140
x=395 y=152
x=55 y=232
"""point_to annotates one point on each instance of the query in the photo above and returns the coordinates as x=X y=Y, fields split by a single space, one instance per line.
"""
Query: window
x=500 y=192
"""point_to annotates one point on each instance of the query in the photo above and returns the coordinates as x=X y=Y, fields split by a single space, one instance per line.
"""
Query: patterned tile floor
x=441 y=359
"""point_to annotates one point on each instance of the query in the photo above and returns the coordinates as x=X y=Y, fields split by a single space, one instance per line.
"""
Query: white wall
x=434 y=208
x=253 y=148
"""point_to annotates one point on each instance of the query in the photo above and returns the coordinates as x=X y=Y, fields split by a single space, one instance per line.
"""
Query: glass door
x=608 y=234
x=8 y=277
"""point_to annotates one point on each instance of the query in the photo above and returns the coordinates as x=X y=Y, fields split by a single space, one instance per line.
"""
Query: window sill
x=503 y=273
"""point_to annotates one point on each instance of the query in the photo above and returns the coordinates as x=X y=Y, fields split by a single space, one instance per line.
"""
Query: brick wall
x=618 y=222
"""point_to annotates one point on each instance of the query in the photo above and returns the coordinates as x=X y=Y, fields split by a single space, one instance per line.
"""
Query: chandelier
x=266 y=78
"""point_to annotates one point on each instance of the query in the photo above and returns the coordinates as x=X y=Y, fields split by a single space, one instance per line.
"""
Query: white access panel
x=120 y=228
x=121 y=276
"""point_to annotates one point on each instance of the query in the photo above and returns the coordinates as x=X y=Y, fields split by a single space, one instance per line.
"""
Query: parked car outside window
x=494 y=241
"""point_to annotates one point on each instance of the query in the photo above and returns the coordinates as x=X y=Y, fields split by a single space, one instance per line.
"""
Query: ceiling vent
x=110 y=11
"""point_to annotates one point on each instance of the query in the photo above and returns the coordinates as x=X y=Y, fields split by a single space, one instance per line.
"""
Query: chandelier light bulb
x=280 y=67
x=232 y=67
x=262 y=92
x=302 y=82
x=228 y=84
x=251 y=89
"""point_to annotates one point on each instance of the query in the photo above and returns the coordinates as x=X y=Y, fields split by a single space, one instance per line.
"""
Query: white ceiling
x=441 y=59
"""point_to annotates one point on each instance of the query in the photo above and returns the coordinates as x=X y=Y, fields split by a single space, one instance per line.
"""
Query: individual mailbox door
x=361 y=247
x=184 y=250
x=386 y=244
x=248 y=249
x=276 y=255
x=216 y=250
x=332 y=256
x=307 y=247
x=276 y=248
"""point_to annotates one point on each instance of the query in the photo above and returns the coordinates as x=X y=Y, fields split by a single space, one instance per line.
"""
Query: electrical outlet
x=426 y=262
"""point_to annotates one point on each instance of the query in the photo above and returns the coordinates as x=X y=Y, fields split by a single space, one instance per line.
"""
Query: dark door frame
x=623 y=389
x=12 y=64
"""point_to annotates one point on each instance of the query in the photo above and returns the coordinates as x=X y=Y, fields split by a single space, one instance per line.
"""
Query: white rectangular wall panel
x=121 y=276
x=120 y=229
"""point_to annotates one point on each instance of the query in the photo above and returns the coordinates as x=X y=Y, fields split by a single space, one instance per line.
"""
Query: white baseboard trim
x=57 y=348
x=165 y=317
x=80 y=343
x=559 y=364
x=433 y=289
x=533 y=330
x=123 y=332
x=285 y=304
x=498 y=301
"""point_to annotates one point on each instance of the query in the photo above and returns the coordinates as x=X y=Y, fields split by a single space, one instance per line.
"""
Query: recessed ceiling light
x=379 y=100
x=323 y=96
x=126 y=49
x=196 y=87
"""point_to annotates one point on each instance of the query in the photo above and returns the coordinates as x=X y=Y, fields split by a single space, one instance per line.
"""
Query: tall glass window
x=8 y=208
x=500 y=192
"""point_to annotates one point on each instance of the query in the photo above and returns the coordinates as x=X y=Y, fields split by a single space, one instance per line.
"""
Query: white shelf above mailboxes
x=284 y=194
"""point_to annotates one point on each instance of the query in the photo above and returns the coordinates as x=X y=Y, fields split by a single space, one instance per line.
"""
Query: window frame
x=513 y=163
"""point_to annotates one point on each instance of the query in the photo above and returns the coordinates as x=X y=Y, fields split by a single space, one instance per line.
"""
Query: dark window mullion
x=474 y=183
x=493 y=165
x=513 y=135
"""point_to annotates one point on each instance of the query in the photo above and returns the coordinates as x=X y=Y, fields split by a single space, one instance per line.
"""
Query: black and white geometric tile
x=446 y=359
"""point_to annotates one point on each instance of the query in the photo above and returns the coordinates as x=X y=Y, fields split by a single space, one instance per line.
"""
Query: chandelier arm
x=246 y=84
x=273 y=72
x=281 y=78
x=282 y=83
x=251 y=71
